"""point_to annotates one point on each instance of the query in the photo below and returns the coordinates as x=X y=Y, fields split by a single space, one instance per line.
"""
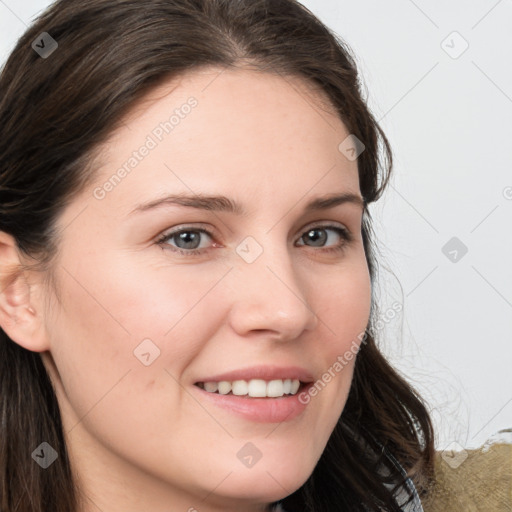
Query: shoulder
x=477 y=479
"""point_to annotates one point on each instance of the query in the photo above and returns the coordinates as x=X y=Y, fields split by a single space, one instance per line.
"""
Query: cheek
x=344 y=310
x=104 y=388
x=345 y=306
x=114 y=312
x=349 y=312
x=106 y=314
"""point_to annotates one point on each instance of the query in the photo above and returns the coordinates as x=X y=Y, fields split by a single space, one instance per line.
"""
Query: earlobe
x=20 y=317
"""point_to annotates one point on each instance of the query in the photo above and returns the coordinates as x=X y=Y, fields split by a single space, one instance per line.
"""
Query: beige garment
x=481 y=483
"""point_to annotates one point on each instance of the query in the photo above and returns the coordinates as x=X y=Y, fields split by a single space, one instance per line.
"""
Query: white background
x=449 y=121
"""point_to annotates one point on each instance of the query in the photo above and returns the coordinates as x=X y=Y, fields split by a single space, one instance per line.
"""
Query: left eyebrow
x=221 y=203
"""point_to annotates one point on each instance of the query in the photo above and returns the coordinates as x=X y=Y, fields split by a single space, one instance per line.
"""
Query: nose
x=269 y=295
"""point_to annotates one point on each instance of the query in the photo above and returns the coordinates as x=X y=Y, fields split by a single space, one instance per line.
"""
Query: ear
x=21 y=313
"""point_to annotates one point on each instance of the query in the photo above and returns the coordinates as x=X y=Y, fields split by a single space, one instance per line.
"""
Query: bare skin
x=139 y=436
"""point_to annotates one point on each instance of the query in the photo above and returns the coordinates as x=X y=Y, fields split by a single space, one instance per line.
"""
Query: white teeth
x=224 y=387
x=275 y=388
x=211 y=386
x=256 y=388
x=239 y=387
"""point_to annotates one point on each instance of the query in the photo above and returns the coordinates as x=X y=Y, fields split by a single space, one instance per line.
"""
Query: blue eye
x=182 y=236
x=343 y=233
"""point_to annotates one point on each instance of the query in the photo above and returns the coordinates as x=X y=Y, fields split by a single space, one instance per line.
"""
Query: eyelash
x=343 y=232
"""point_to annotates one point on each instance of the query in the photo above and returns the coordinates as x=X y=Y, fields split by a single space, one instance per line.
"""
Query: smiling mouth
x=255 y=388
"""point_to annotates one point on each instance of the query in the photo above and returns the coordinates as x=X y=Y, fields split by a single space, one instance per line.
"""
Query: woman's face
x=275 y=293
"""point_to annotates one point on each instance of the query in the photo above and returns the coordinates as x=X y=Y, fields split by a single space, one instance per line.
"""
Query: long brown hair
x=54 y=114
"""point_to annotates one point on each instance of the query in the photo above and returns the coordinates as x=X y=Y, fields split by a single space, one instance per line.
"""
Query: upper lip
x=264 y=372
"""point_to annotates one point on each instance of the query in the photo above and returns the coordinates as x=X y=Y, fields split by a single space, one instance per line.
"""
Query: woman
x=187 y=267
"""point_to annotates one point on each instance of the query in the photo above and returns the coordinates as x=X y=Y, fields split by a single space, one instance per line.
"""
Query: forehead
x=228 y=128
x=234 y=84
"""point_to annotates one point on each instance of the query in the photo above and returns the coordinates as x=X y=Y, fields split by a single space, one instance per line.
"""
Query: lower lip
x=261 y=410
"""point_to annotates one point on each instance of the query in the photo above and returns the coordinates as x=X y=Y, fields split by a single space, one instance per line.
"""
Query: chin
x=267 y=483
